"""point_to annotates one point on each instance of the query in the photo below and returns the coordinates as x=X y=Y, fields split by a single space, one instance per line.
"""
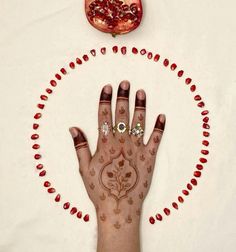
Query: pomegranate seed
x=66 y=205
x=41 y=106
x=63 y=71
x=85 y=57
x=58 y=198
x=167 y=211
x=206 y=126
x=189 y=186
x=134 y=50
x=205 y=142
x=203 y=160
x=58 y=76
x=175 y=205
x=79 y=61
x=123 y=50
x=73 y=210
x=199 y=166
x=86 y=218
x=206 y=119
x=34 y=136
x=173 y=66
x=151 y=220
x=47 y=184
x=35 y=126
x=206 y=134
x=36 y=146
x=185 y=192
x=37 y=156
x=143 y=51
x=115 y=49
x=39 y=166
x=149 y=55
x=194 y=181
x=51 y=190
x=43 y=97
x=48 y=90
x=79 y=214
x=188 y=81
x=180 y=199
x=42 y=173
x=205 y=112
x=197 y=174
x=180 y=73
x=53 y=83
x=193 y=88
x=37 y=115
x=157 y=57
x=205 y=152
x=159 y=217
x=72 y=65
x=201 y=104
x=166 y=62
x=103 y=50
x=93 y=52
x=197 y=97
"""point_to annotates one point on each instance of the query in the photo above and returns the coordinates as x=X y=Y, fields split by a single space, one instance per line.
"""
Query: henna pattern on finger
x=104 y=139
x=130 y=201
x=129 y=219
x=137 y=142
x=81 y=145
x=92 y=186
x=121 y=140
x=104 y=97
x=105 y=112
x=122 y=110
x=156 y=139
x=117 y=225
x=112 y=150
x=149 y=169
x=145 y=184
x=103 y=217
x=102 y=197
x=92 y=172
x=141 y=195
x=140 y=117
x=142 y=157
x=101 y=159
x=152 y=151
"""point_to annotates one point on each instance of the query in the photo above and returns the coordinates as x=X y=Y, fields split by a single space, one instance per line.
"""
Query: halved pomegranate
x=114 y=16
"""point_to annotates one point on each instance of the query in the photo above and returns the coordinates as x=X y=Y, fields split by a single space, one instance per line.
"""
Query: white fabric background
x=37 y=38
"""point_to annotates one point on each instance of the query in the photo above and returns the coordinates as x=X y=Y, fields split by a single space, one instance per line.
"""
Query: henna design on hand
x=92 y=186
x=129 y=152
x=122 y=140
x=105 y=112
x=92 y=172
x=101 y=159
x=102 y=197
x=104 y=139
x=129 y=219
x=142 y=157
x=137 y=143
x=117 y=225
x=112 y=150
x=145 y=184
x=130 y=201
x=138 y=212
x=122 y=110
x=149 y=169
x=103 y=217
x=152 y=151
x=140 y=117
x=156 y=139
x=141 y=195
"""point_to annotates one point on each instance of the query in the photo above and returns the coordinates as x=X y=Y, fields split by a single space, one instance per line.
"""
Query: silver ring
x=105 y=128
x=137 y=130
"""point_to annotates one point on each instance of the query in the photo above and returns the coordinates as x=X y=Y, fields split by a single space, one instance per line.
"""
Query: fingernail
x=160 y=122
x=77 y=135
x=140 y=100
x=106 y=93
x=123 y=90
x=73 y=132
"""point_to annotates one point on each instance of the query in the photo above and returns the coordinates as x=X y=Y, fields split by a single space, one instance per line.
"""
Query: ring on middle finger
x=121 y=127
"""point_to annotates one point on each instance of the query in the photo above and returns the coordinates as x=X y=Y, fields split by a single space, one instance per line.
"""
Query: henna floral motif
x=129 y=219
x=122 y=110
x=137 y=143
x=149 y=169
x=103 y=217
x=112 y=150
x=156 y=139
x=152 y=151
x=92 y=172
x=141 y=195
x=105 y=112
x=140 y=117
x=130 y=152
x=101 y=159
x=122 y=140
x=92 y=186
x=145 y=184
x=104 y=139
x=130 y=201
x=102 y=197
x=142 y=157
x=117 y=225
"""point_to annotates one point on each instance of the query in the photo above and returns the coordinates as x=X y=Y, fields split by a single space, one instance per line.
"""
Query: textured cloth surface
x=37 y=39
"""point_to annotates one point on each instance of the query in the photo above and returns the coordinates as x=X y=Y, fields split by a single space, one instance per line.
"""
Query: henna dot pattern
x=80 y=61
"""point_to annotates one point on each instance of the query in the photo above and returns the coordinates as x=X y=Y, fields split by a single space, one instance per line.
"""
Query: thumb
x=81 y=147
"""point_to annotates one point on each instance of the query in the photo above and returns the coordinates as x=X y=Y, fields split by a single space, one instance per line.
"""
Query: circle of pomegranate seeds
x=205 y=142
x=53 y=83
x=42 y=173
x=180 y=199
x=85 y=57
x=79 y=215
x=93 y=52
x=173 y=66
x=151 y=220
x=36 y=146
x=43 y=97
x=86 y=218
x=180 y=73
x=37 y=156
x=134 y=50
x=58 y=76
x=79 y=61
x=66 y=205
x=159 y=217
x=205 y=112
x=143 y=51
x=197 y=174
x=206 y=134
x=115 y=49
x=167 y=211
x=194 y=181
x=47 y=184
x=72 y=65
x=156 y=57
x=193 y=88
x=58 y=198
x=166 y=62
x=188 y=81
x=51 y=190
x=37 y=115
x=41 y=106
x=63 y=71
x=175 y=205
x=149 y=55
x=189 y=186
x=73 y=210
x=185 y=192
x=35 y=126
x=39 y=166
x=199 y=166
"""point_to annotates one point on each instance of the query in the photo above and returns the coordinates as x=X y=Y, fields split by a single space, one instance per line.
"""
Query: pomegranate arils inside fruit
x=114 y=16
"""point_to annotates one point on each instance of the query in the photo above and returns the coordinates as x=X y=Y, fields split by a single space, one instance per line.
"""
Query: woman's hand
x=118 y=176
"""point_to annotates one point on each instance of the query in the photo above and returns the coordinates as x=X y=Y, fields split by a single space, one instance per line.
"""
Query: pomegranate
x=114 y=16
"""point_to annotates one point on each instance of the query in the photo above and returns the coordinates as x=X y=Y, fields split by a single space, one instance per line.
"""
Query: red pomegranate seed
x=49 y=90
x=37 y=115
x=203 y=160
x=58 y=76
x=143 y=51
x=206 y=126
x=35 y=126
x=66 y=205
x=79 y=61
x=53 y=83
x=193 y=88
x=194 y=181
x=34 y=136
x=205 y=142
x=79 y=214
x=58 y=198
x=39 y=166
x=175 y=205
x=149 y=55
x=73 y=210
x=197 y=97
x=205 y=152
x=123 y=50
x=206 y=119
x=93 y=52
x=180 y=73
x=205 y=112
x=197 y=174
x=36 y=146
x=173 y=66
x=206 y=134
x=51 y=190
x=157 y=57
x=47 y=184
x=167 y=211
x=180 y=199
x=185 y=192
x=37 y=156
x=201 y=104
x=42 y=173
x=85 y=57
x=199 y=166
x=72 y=65
x=188 y=81
x=189 y=186
x=43 y=97
x=115 y=49
x=63 y=71
x=103 y=50
x=134 y=50
x=166 y=62
x=41 y=106
x=151 y=220
x=86 y=218
x=159 y=217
